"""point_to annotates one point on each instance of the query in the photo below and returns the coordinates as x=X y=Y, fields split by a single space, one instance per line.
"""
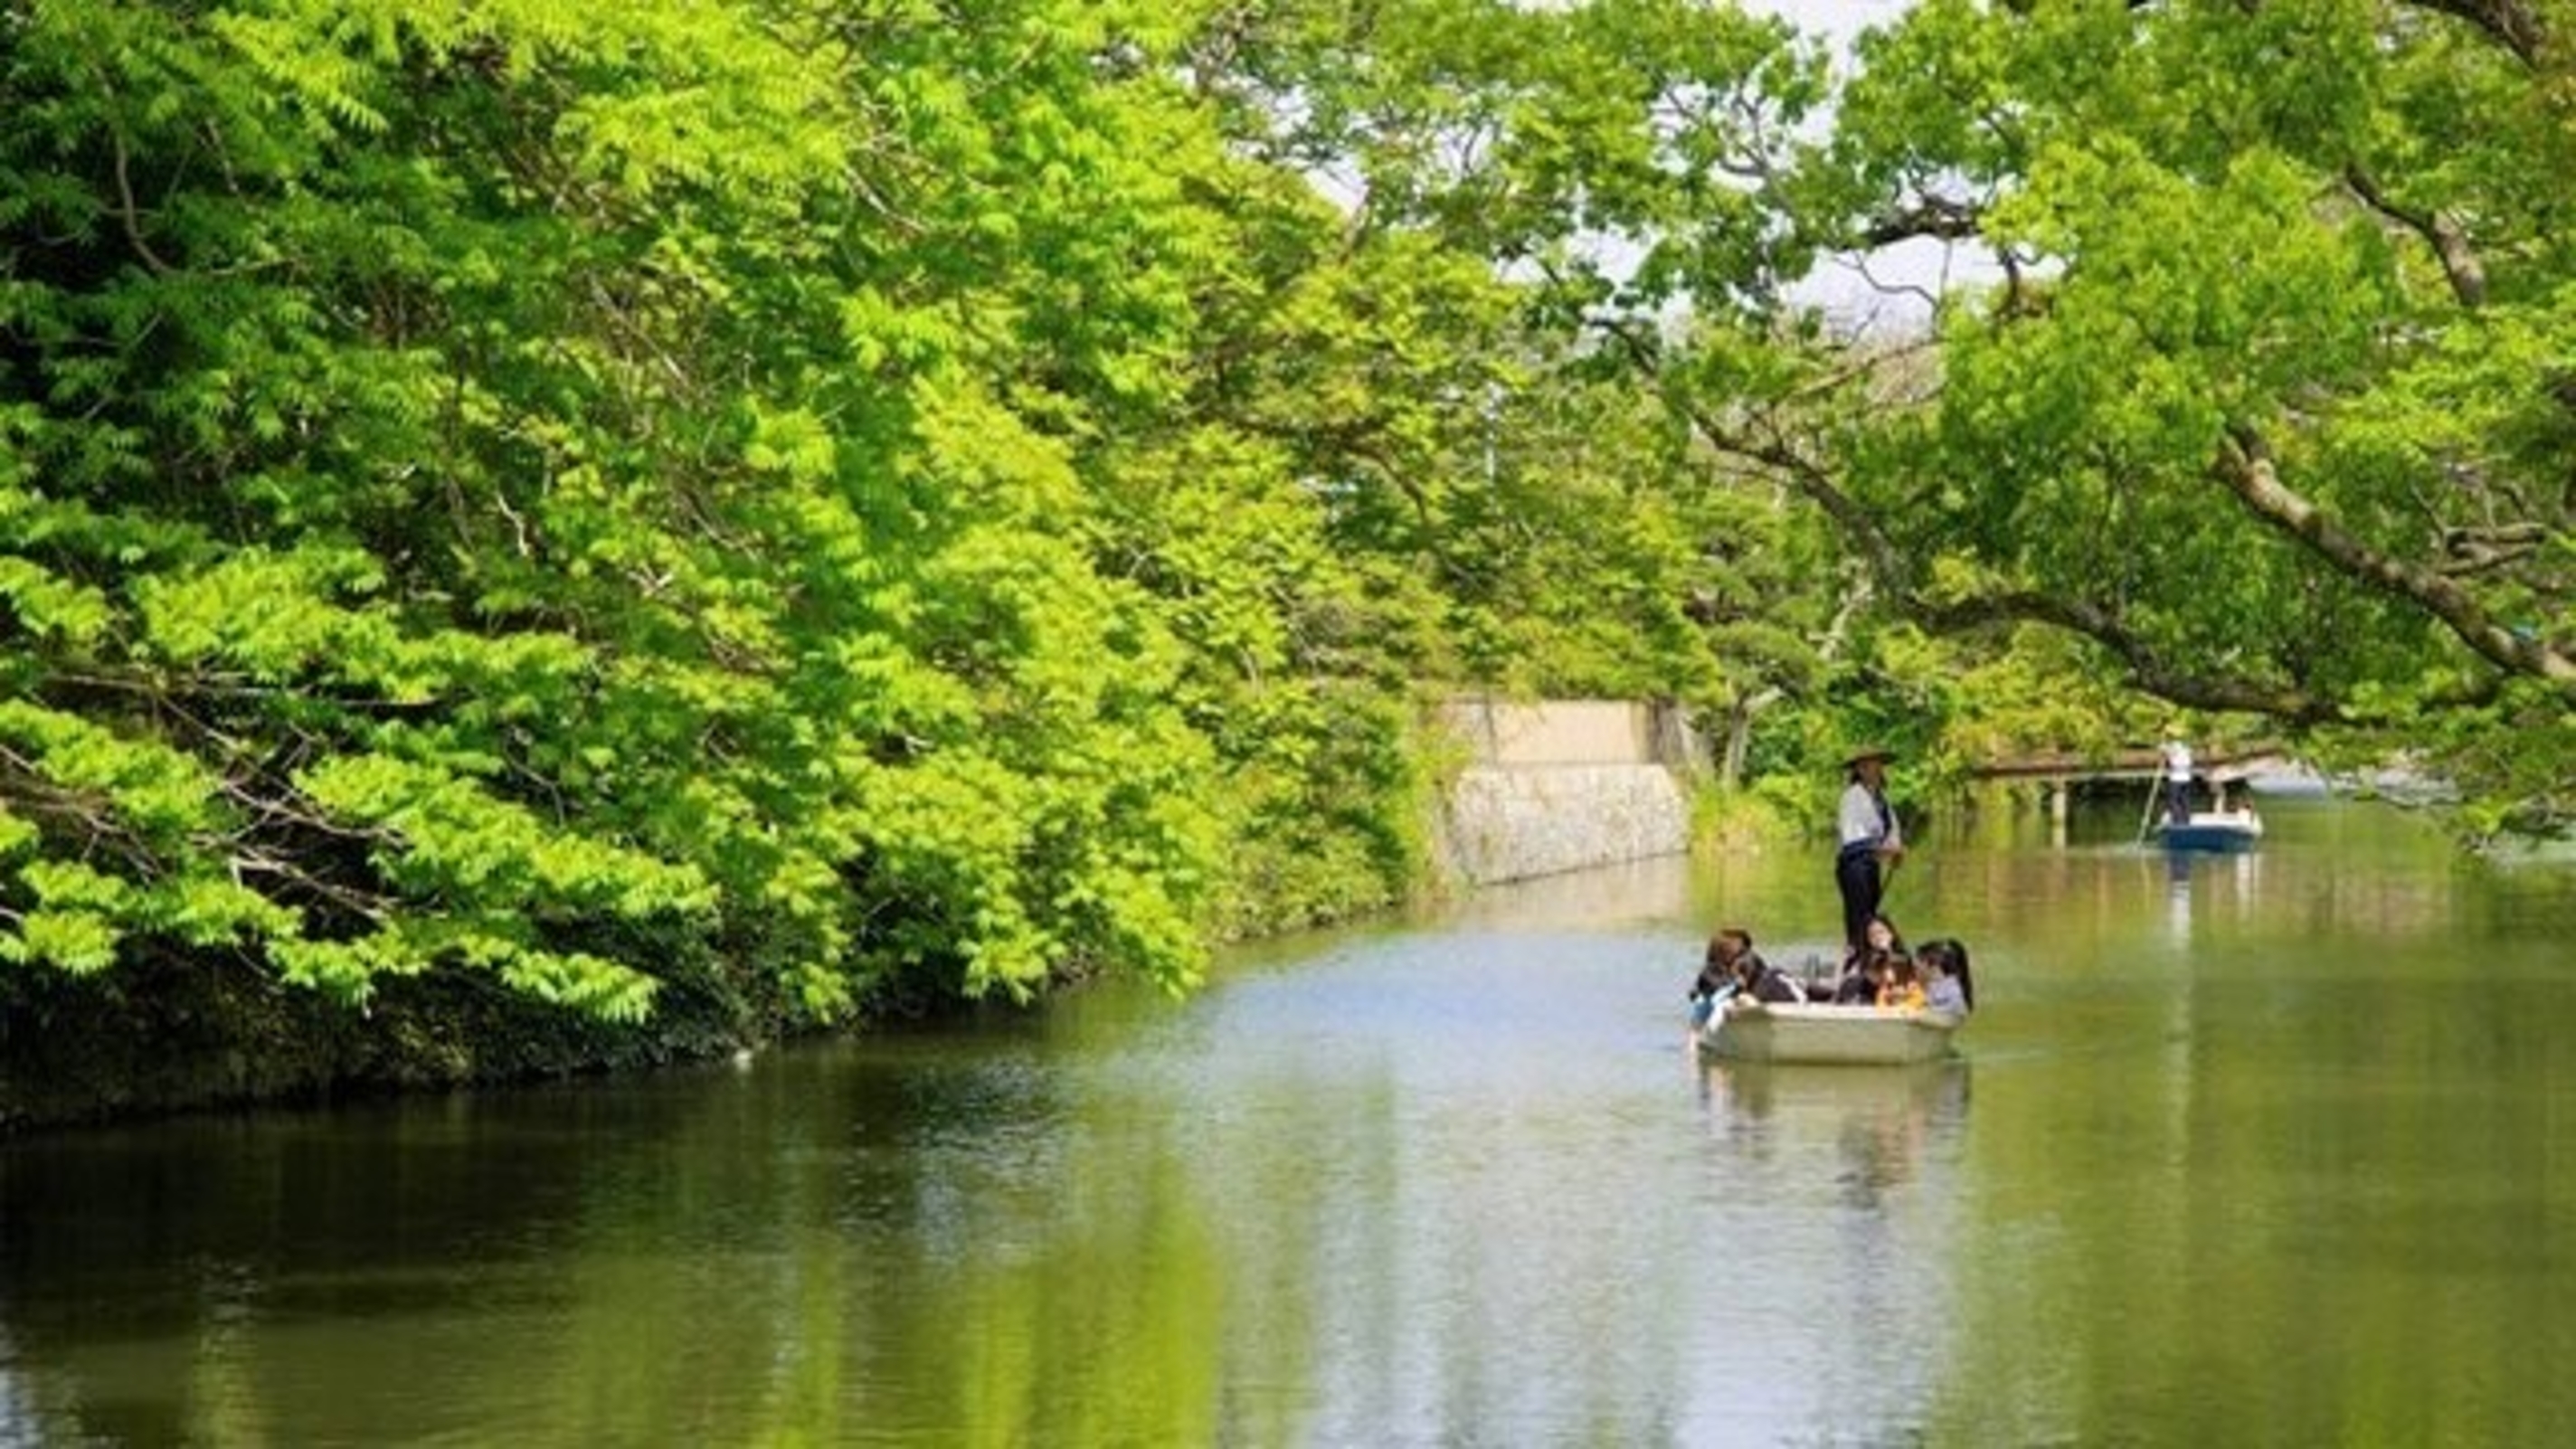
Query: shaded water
x=2274 y=1149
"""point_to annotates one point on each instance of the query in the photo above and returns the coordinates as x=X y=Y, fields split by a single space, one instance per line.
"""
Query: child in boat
x=1759 y=980
x=1900 y=984
x=1946 y=986
x=1742 y=973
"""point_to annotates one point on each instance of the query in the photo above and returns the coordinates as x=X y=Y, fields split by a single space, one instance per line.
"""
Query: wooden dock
x=2223 y=766
x=2059 y=777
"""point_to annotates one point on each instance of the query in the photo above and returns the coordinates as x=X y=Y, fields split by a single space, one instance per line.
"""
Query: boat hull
x=2212 y=830
x=1829 y=1035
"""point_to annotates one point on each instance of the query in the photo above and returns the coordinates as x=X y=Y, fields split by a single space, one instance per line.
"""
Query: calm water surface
x=2275 y=1149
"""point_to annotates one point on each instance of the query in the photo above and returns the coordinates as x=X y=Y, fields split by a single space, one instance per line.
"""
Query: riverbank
x=1547 y=788
x=174 y=1034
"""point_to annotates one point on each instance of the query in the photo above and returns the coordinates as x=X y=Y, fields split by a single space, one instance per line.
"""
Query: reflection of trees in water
x=1845 y=1168
x=1882 y=1120
x=1879 y=1151
x=153 y=1280
x=1637 y=893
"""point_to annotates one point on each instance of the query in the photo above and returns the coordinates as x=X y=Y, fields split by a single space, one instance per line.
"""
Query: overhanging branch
x=1938 y=217
x=2148 y=669
x=1896 y=575
x=2245 y=466
x=2512 y=24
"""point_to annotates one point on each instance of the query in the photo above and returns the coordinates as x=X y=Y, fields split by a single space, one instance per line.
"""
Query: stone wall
x=1563 y=785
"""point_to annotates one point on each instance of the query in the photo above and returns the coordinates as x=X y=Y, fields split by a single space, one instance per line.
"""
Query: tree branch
x=2482 y=550
x=2247 y=470
x=2245 y=466
x=2513 y=24
x=1880 y=553
x=1930 y=216
x=1899 y=581
x=2148 y=668
x=128 y=213
x=2440 y=230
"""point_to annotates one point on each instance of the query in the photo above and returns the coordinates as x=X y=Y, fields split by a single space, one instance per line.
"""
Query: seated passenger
x=1735 y=969
x=1716 y=980
x=1757 y=979
x=1948 y=987
x=1858 y=984
x=1900 y=984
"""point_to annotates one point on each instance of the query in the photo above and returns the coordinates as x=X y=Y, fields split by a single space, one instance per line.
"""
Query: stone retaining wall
x=1563 y=785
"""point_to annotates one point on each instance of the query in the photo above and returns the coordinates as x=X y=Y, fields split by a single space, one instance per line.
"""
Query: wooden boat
x=2211 y=830
x=1757 y=1031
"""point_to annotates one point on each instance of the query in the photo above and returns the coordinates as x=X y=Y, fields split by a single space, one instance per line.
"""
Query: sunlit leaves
x=891 y=499
x=116 y=781
x=475 y=549
x=45 y=603
x=2309 y=227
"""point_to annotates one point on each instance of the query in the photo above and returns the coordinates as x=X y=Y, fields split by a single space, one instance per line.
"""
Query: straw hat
x=1868 y=752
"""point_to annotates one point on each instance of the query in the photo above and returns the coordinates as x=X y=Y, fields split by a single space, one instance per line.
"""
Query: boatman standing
x=2177 y=777
x=1868 y=840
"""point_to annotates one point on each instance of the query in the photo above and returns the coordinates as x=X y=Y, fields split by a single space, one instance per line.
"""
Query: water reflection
x=1883 y=1122
x=1639 y=893
x=2178 y=894
x=2229 y=881
x=1838 y=1192
x=1441 y=1181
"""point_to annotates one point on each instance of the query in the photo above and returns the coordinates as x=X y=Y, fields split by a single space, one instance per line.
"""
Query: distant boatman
x=2177 y=777
x=1867 y=836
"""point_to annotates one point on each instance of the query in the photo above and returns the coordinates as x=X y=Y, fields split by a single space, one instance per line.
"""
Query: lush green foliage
x=804 y=504
x=812 y=503
x=2269 y=404
x=2272 y=404
x=2261 y=400
x=522 y=488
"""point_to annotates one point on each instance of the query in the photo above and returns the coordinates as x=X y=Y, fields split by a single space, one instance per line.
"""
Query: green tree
x=2265 y=404
x=2270 y=404
x=587 y=495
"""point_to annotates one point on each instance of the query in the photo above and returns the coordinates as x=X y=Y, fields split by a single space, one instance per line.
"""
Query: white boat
x=1757 y=1031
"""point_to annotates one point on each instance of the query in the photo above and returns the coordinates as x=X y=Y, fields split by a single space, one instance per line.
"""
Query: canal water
x=2268 y=1149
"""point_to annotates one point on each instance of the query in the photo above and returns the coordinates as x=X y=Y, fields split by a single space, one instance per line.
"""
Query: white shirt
x=1858 y=820
x=2178 y=762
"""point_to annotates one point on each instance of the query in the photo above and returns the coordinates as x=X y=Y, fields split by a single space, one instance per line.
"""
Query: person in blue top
x=1867 y=842
x=1733 y=968
x=1716 y=980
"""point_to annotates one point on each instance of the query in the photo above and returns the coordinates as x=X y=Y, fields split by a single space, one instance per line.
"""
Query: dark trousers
x=2178 y=801
x=1856 y=876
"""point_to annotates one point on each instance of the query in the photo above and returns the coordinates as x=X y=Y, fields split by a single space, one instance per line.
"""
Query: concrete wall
x=1563 y=785
x=1572 y=732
